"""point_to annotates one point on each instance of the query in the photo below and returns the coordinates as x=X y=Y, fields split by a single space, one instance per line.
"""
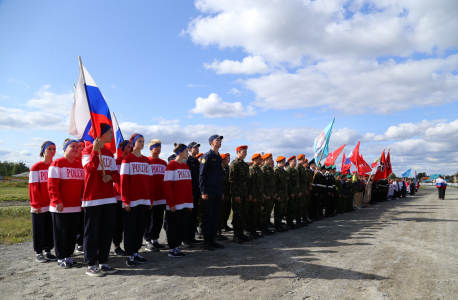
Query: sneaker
x=94 y=271
x=119 y=252
x=50 y=257
x=150 y=247
x=158 y=246
x=107 y=269
x=179 y=252
x=71 y=262
x=140 y=259
x=197 y=242
x=79 y=250
x=41 y=258
x=173 y=253
x=130 y=261
x=186 y=244
x=63 y=264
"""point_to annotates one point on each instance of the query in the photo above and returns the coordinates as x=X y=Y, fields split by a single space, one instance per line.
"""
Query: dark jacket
x=211 y=173
x=194 y=167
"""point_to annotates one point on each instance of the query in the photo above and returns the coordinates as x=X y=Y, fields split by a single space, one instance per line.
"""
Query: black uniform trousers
x=154 y=222
x=134 y=228
x=177 y=226
x=118 y=224
x=65 y=228
x=191 y=231
x=211 y=211
x=42 y=232
x=441 y=191
x=98 y=232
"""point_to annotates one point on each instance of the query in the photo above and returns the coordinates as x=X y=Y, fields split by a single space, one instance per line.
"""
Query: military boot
x=237 y=238
x=215 y=244
x=253 y=233
x=244 y=237
x=290 y=225
x=265 y=231
x=207 y=243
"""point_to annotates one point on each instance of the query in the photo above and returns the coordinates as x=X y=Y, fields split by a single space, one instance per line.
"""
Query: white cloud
x=4 y=96
x=25 y=153
x=215 y=107
x=163 y=121
x=235 y=91
x=249 y=65
x=358 y=87
x=52 y=102
x=17 y=119
x=1 y=142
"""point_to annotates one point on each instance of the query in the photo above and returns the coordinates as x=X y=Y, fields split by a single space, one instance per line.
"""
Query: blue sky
x=370 y=66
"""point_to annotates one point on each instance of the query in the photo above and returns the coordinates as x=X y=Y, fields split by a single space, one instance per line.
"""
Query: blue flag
x=322 y=141
x=407 y=173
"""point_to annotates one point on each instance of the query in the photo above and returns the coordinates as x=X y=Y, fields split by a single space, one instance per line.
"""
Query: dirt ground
x=403 y=249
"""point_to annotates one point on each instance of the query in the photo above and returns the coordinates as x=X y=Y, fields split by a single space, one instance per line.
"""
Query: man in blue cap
x=211 y=187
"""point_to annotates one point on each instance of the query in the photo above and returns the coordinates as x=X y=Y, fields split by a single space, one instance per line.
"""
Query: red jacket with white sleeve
x=97 y=192
x=117 y=185
x=158 y=167
x=136 y=180
x=178 y=186
x=66 y=185
x=38 y=186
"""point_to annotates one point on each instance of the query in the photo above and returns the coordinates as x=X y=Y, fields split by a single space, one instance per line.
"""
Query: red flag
x=332 y=157
x=354 y=155
x=346 y=164
x=363 y=166
x=381 y=168
x=389 y=170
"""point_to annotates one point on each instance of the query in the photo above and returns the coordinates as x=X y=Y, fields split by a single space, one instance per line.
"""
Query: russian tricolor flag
x=118 y=135
x=89 y=105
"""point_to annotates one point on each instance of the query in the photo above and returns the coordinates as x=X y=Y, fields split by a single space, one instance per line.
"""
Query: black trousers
x=441 y=191
x=191 y=232
x=154 y=222
x=118 y=224
x=80 y=234
x=134 y=228
x=42 y=232
x=177 y=226
x=65 y=228
x=98 y=232
x=211 y=210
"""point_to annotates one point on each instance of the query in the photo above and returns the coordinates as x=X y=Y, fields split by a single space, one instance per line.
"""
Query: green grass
x=422 y=187
x=14 y=191
x=15 y=225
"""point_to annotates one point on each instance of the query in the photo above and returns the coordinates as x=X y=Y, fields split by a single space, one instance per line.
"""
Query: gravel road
x=403 y=249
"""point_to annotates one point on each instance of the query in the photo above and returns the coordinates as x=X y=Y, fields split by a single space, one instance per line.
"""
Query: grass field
x=15 y=225
x=14 y=191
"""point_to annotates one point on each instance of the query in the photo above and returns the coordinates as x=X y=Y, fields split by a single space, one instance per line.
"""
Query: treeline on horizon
x=12 y=168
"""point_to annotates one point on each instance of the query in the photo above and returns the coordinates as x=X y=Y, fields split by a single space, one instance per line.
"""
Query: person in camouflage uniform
x=281 y=185
x=239 y=178
x=339 y=194
x=308 y=193
x=302 y=171
x=293 y=193
x=351 y=193
x=269 y=192
x=226 y=203
x=255 y=206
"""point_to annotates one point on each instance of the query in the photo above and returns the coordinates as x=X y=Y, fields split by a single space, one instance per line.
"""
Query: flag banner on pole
x=374 y=164
x=117 y=134
x=332 y=157
x=406 y=173
x=322 y=141
x=346 y=164
x=363 y=166
x=389 y=170
x=354 y=155
x=381 y=170
x=88 y=105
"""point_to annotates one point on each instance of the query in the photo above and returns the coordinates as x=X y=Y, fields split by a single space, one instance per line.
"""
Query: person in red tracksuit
x=99 y=203
x=65 y=186
x=156 y=215
x=125 y=148
x=178 y=190
x=136 y=195
x=39 y=200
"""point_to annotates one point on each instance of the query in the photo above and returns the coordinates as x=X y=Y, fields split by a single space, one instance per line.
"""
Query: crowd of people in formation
x=89 y=200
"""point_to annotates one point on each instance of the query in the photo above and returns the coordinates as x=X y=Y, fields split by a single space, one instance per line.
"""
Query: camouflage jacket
x=257 y=182
x=269 y=180
x=239 y=178
x=293 y=182
x=309 y=175
x=339 y=189
x=302 y=172
x=226 y=184
x=281 y=180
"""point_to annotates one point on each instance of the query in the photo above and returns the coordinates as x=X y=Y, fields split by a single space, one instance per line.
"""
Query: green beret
x=334 y=167
x=327 y=168
x=338 y=173
x=349 y=176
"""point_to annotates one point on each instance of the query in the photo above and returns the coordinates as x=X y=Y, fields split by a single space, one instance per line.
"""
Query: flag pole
x=90 y=111
x=322 y=151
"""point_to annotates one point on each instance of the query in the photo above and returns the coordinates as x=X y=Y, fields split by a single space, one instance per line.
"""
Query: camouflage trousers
x=240 y=213
x=340 y=203
x=291 y=206
x=349 y=202
x=225 y=212
x=267 y=207
x=305 y=208
x=279 y=207
x=255 y=213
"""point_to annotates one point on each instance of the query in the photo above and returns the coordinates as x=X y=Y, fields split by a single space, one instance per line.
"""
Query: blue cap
x=193 y=144
x=215 y=136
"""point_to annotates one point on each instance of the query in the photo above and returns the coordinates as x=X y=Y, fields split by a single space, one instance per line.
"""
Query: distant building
x=455 y=177
x=434 y=177
x=425 y=179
